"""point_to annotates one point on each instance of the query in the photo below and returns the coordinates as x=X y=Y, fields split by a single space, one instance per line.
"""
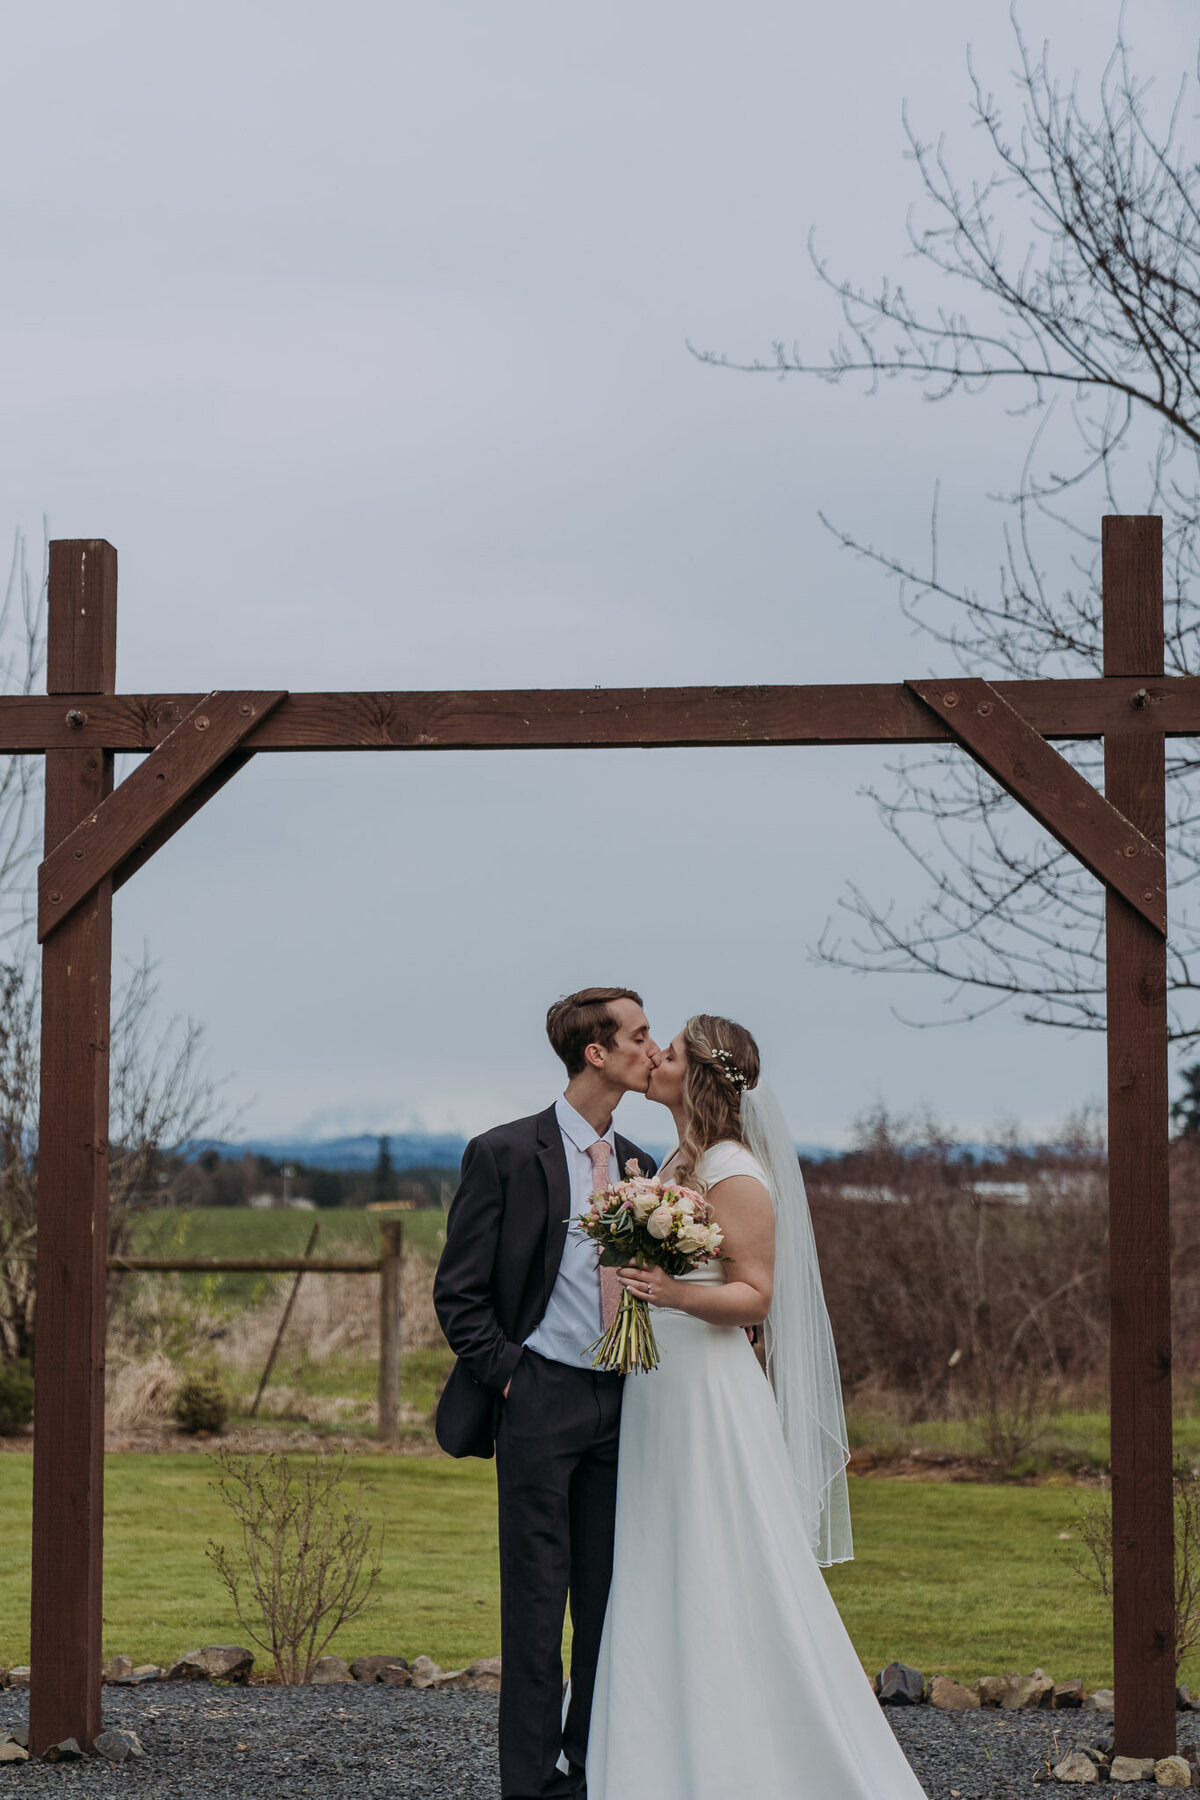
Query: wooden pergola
x=98 y=835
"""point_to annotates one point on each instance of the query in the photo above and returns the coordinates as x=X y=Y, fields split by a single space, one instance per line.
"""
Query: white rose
x=660 y=1222
x=692 y=1239
x=642 y=1205
x=715 y=1238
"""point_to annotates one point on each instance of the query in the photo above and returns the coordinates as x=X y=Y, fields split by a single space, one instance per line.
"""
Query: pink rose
x=660 y=1222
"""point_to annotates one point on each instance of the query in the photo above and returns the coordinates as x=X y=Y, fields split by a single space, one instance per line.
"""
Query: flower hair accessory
x=730 y=1069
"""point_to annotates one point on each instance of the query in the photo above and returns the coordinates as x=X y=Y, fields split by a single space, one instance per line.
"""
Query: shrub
x=16 y=1397
x=202 y=1403
x=307 y=1563
x=1093 y=1527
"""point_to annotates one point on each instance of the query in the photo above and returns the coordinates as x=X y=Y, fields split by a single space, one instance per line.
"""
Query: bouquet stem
x=629 y=1346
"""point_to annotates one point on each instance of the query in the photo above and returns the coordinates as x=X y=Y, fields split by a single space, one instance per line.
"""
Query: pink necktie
x=610 y=1286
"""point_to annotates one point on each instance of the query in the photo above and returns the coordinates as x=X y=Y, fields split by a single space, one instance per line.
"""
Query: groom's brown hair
x=582 y=1019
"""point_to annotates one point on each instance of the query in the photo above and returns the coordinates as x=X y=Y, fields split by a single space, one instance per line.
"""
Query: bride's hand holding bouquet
x=651 y=1231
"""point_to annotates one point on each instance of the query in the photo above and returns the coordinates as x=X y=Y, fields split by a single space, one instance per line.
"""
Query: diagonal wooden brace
x=190 y=764
x=1057 y=795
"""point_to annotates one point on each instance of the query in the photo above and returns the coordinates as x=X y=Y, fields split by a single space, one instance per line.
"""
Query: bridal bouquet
x=645 y=1221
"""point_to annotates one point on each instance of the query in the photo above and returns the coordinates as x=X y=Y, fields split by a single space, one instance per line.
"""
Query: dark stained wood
x=270 y=1265
x=543 y=718
x=187 y=809
x=1058 y=796
x=68 y=1510
x=390 y=1326
x=140 y=811
x=1139 y=1212
x=83 y=722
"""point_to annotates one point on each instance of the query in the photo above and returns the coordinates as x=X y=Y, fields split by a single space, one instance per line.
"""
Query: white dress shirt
x=574 y=1317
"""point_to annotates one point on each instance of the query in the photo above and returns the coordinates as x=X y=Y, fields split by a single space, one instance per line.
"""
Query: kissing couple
x=681 y=1515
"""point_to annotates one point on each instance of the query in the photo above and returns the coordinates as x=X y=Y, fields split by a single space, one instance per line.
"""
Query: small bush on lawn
x=16 y=1397
x=308 y=1560
x=202 y=1403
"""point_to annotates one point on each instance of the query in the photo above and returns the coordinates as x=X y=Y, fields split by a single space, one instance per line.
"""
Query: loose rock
x=424 y=1672
x=216 y=1662
x=19 y=1677
x=483 y=1677
x=1132 y=1768
x=329 y=1669
x=993 y=1688
x=1100 y=1701
x=951 y=1696
x=899 y=1685
x=391 y=1670
x=1067 y=1694
x=1183 y=1700
x=1028 y=1692
x=13 y=1753
x=1172 y=1771
x=66 y=1751
x=136 y=1677
x=1075 y=1766
x=113 y=1746
x=115 y=1667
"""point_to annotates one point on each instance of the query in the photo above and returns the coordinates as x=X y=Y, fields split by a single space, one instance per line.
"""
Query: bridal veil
x=801 y=1360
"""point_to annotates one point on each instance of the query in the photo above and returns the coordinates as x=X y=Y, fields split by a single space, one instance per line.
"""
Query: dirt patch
x=257 y=1440
x=917 y=1464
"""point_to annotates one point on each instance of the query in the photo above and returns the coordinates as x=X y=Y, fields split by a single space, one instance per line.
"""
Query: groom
x=520 y=1301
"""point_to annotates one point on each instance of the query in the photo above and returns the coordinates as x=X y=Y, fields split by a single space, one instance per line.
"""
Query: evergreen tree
x=385 y=1175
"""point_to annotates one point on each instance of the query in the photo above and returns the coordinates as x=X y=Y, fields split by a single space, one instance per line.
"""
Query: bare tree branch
x=1092 y=325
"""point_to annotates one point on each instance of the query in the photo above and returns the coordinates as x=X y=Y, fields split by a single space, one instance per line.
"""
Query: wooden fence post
x=72 y=1229
x=390 y=1262
x=1139 y=1209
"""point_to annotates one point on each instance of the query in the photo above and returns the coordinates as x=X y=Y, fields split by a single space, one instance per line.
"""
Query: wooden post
x=1139 y=1211
x=311 y=1245
x=72 y=1232
x=392 y=1231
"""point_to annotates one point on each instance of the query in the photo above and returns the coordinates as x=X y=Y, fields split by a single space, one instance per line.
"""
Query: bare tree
x=1082 y=248
x=308 y=1561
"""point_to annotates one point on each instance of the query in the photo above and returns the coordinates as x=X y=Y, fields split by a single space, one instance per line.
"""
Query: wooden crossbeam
x=592 y=718
x=151 y=803
x=1057 y=795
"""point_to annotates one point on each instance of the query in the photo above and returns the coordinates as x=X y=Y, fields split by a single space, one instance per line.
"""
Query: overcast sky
x=361 y=332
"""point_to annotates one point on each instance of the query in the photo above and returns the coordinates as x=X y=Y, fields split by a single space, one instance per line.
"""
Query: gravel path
x=376 y=1743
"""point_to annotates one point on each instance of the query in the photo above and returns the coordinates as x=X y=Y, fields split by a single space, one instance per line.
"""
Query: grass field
x=964 y=1579
x=241 y=1231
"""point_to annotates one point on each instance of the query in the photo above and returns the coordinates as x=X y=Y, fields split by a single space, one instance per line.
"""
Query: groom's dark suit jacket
x=504 y=1241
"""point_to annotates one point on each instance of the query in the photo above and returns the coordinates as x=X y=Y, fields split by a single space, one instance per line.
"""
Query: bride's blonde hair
x=721 y=1063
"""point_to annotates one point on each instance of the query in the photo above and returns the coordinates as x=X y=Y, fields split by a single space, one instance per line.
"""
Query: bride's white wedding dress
x=725 y=1672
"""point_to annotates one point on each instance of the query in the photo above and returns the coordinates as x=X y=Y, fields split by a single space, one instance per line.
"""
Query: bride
x=725 y=1672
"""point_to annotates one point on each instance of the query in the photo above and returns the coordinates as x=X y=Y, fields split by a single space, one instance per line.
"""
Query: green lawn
x=1068 y=1440
x=965 y=1579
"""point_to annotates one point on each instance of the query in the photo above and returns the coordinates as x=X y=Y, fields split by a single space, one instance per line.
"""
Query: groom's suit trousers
x=556 y=1473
